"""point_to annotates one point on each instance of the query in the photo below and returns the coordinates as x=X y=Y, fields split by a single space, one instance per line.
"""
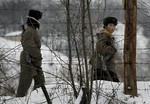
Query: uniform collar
x=105 y=31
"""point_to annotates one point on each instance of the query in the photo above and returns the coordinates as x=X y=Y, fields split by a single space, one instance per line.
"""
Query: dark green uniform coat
x=104 y=48
x=30 y=61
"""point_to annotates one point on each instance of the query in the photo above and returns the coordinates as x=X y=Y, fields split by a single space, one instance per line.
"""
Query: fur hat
x=35 y=14
x=33 y=18
x=108 y=20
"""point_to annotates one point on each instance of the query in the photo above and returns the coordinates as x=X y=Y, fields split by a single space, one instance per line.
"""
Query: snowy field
x=59 y=91
x=106 y=95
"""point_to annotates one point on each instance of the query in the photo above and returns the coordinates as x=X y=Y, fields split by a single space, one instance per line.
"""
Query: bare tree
x=69 y=45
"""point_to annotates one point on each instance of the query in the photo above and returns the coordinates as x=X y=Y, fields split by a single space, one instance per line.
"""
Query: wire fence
x=54 y=59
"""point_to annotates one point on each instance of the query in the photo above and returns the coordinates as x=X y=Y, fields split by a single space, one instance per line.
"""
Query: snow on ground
x=16 y=33
x=63 y=95
x=118 y=97
x=60 y=92
x=53 y=63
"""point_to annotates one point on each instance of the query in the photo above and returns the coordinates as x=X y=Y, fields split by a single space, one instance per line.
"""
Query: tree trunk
x=83 y=11
x=130 y=82
x=92 y=41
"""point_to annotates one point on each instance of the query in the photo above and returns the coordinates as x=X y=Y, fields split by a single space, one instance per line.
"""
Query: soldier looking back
x=105 y=51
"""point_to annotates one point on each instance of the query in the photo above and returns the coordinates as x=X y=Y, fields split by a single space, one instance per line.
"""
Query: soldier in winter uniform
x=30 y=58
x=105 y=51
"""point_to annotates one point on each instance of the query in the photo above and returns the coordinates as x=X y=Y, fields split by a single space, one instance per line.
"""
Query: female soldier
x=105 y=51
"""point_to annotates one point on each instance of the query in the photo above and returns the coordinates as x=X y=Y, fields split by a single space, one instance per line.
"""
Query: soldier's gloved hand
x=37 y=62
x=39 y=80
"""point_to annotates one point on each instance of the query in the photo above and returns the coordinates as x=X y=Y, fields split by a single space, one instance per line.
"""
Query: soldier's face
x=110 y=27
